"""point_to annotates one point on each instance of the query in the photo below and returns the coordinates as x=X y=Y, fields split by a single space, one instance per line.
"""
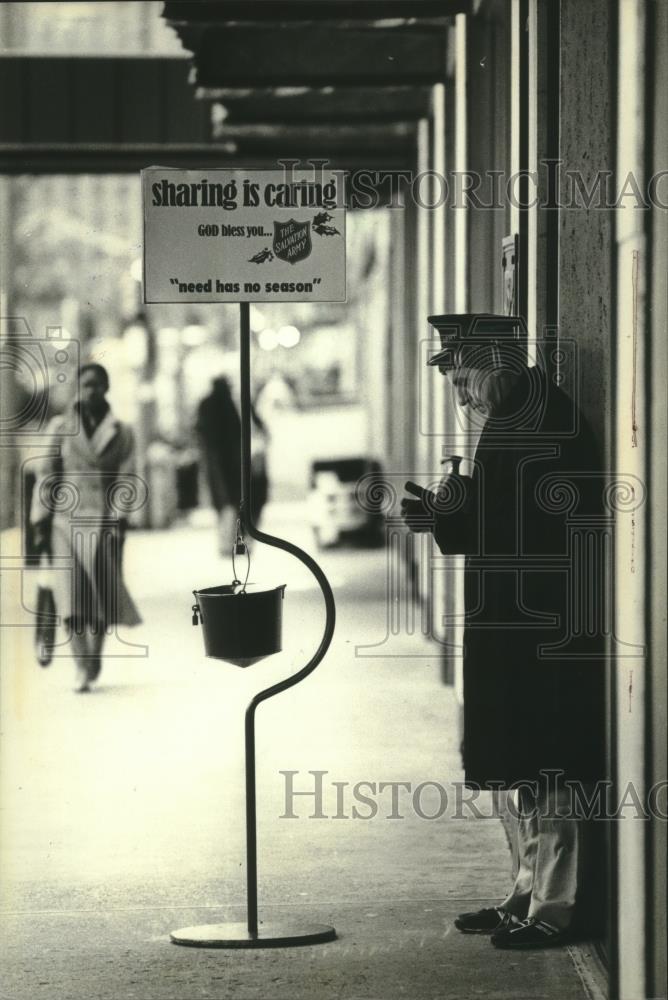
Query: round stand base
x=269 y=935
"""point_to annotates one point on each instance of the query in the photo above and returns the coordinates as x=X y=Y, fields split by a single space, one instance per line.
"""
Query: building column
x=630 y=457
x=657 y=365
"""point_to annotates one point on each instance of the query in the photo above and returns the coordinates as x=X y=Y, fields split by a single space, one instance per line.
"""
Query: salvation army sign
x=243 y=236
x=292 y=240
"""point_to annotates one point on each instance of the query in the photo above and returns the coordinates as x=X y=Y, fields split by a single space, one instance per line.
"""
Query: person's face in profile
x=466 y=384
x=482 y=389
x=461 y=382
x=92 y=391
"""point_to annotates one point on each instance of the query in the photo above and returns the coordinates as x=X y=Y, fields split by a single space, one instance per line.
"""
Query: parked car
x=334 y=511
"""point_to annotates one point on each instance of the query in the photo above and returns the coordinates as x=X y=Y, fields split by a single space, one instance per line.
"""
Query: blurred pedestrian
x=219 y=432
x=77 y=515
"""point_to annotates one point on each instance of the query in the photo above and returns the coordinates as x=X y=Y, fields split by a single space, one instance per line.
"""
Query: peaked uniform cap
x=459 y=329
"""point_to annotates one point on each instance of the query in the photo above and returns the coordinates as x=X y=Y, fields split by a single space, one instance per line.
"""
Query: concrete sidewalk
x=123 y=809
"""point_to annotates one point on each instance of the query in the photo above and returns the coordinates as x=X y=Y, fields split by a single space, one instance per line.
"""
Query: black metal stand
x=256 y=935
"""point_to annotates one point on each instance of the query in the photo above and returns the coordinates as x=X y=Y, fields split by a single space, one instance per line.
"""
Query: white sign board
x=244 y=235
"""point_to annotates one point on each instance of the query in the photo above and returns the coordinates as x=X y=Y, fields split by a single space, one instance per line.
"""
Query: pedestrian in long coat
x=83 y=492
x=219 y=432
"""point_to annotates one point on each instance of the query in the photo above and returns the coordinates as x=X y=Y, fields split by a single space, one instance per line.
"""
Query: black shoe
x=94 y=668
x=482 y=921
x=529 y=934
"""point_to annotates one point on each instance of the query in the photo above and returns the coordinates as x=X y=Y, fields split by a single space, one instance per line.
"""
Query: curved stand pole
x=280 y=543
x=271 y=934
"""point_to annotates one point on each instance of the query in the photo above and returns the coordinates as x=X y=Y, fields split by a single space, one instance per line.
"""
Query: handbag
x=46 y=618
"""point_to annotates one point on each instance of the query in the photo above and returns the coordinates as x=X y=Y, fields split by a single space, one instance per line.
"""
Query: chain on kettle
x=240 y=548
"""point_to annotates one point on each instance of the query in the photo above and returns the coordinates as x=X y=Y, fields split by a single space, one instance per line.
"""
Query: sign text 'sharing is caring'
x=243 y=235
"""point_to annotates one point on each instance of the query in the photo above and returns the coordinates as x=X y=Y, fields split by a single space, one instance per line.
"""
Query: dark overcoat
x=219 y=430
x=534 y=676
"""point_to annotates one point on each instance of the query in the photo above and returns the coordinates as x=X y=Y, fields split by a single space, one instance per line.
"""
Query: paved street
x=123 y=809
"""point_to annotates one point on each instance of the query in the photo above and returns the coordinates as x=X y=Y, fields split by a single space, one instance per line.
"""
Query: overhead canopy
x=259 y=81
x=314 y=69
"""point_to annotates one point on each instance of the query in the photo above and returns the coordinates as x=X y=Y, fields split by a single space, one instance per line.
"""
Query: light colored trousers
x=551 y=858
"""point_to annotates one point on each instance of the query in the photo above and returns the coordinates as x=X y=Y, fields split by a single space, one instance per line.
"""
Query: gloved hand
x=455 y=532
x=418 y=514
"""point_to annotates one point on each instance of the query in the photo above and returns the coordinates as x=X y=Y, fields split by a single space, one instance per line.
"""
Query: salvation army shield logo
x=292 y=240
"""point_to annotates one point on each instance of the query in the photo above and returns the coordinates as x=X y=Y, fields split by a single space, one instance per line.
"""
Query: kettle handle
x=240 y=548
